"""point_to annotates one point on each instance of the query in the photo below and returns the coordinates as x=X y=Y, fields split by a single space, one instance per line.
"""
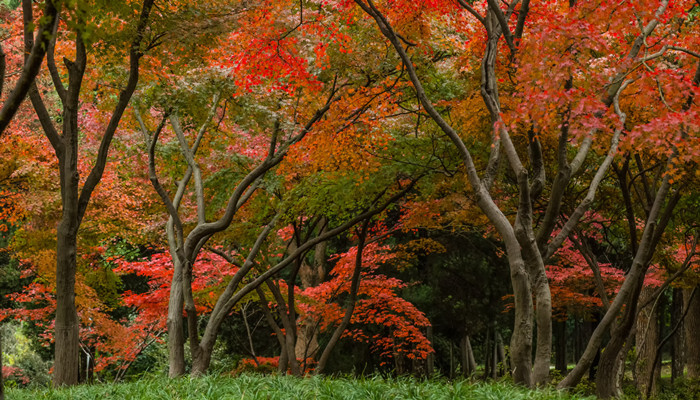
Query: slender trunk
x=430 y=360
x=352 y=298
x=494 y=370
x=487 y=355
x=560 y=353
x=502 y=360
x=468 y=361
x=590 y=328
x=678 y=344
x=692 y=337
x=284 y=358
x=452 y=361
x=578 y=341
x=647 y=339
x=289 y=325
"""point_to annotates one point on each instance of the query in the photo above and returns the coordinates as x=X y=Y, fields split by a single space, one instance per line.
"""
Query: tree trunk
x=578 y=341
x=647 y=340
x=307 y=340
x=176 y=326
x=487 y=355
x=560 y=353
x=201 y=361
x=692 y=335
x=494 y=370
x=430 y=360
x=613 y=356
x=543 y=310
x=521 y=339
x=311 y=276
x=452 y=360
x=678 y=344
x=501 y=353
x=468 y=361
x=67 y=345
x=351 y=300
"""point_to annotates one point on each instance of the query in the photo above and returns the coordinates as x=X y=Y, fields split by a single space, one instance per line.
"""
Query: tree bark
x=468 y=361
x=311 y=275
x=560 y=351
x=647 y=339
x=678 y=344
x=692 y=334
x=607 y=384
x=175 y=324
x=67 y=345
x=501 y=353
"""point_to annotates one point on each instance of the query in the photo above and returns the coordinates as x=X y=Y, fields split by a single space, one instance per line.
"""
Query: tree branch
x=32 y=64
x=135 y=55
x=351 y=300
x=595 y=182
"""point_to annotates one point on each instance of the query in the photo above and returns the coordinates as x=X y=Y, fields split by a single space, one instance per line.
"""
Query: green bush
x=29 y=369
x=680 y=389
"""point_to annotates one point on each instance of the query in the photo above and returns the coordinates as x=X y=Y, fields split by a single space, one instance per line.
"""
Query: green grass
x=287 y=388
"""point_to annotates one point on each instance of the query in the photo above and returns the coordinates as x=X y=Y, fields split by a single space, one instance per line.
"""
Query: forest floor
x=287 y=388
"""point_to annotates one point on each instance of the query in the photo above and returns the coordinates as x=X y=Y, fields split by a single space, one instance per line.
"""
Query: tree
x=75 y=194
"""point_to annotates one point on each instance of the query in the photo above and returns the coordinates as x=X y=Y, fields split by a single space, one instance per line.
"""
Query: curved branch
x=32 y=64
x=202 y=230
x=135 y=55
x=595 y=182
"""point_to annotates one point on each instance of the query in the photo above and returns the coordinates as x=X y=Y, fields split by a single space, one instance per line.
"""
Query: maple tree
x=75 y=194
x=370 y=300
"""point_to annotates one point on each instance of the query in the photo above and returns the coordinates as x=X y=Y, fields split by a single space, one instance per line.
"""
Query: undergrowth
x=287 y=388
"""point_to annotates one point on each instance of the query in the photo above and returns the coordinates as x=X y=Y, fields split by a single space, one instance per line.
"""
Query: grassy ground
x=287 y=388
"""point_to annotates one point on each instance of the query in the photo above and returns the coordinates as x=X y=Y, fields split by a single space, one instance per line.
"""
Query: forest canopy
x=467 y=188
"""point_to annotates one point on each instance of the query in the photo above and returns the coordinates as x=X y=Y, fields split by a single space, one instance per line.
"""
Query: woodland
x=451 y=190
